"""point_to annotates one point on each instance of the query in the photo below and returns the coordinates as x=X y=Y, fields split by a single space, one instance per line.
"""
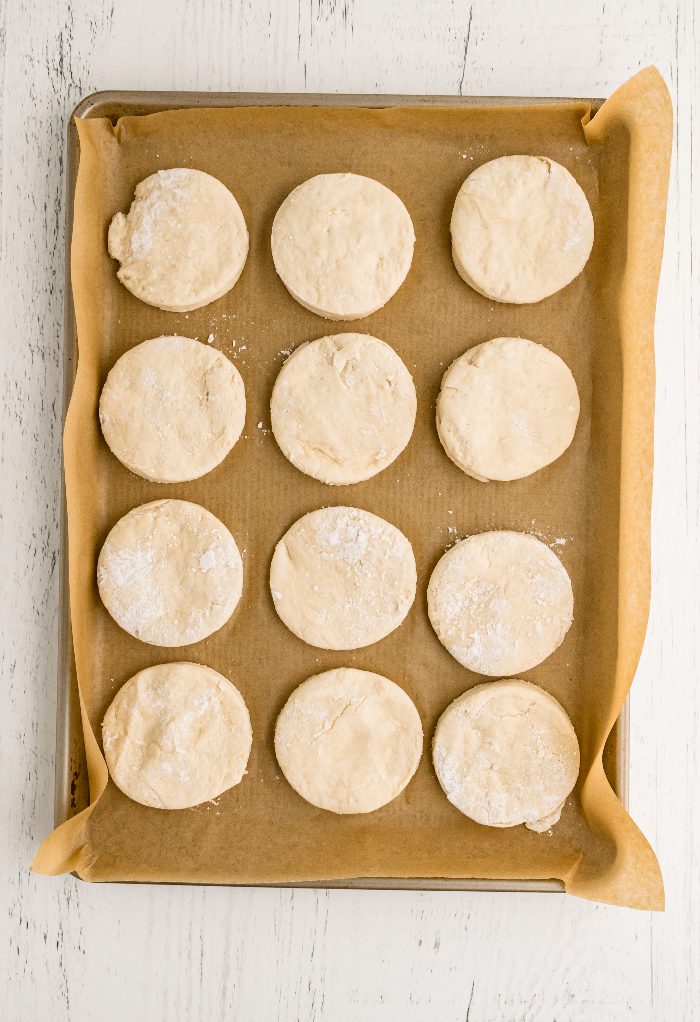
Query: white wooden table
x=75 y=952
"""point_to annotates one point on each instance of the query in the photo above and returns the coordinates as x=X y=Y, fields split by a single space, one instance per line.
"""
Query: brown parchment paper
x=592 y=505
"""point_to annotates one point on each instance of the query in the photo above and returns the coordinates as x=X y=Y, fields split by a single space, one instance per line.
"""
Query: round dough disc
x=521 y=229
x=506 y=409
x=183 y=243
x=506 y=753
x=342 y=245
x=342 y=578
x=176 y=735
x=500 y=602
x=172 y=409
x=348 y=741
x=170 y=573
x=343 y=408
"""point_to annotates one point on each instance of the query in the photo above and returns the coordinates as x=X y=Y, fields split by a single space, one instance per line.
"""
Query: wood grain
x=76 y=952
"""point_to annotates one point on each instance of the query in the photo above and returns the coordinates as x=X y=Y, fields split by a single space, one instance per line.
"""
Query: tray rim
x=98 y=103
x=118 y=103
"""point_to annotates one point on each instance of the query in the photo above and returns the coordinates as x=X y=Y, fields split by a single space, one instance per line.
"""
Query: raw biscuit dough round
x=521 y=229
x=506 y=753
x=342 y=245
x=506 y=408
x=170 y=573
x=183 y=243
x=342 y=578
x=348 y=741
x=176 y=735
x=500 y=602
x=172 y=409
x=343 y=408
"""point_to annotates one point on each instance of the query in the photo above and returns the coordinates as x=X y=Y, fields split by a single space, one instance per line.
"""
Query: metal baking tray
x=71 y=785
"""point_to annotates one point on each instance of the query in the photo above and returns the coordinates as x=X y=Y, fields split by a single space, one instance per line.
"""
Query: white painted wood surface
x=75 y=952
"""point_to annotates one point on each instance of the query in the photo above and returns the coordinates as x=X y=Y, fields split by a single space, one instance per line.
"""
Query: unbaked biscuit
x=506 y=753
x=343 y=408
x=170 y=573
x=342 y=245
x=521 y=229
x=500 y=602
x=342 y=578
x=506 y=408
x=176 y=735
x=348 y=741
x=172 y=408
x=183 y=243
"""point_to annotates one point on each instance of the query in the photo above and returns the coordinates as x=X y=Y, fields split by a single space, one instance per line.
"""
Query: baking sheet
x=261 y=832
